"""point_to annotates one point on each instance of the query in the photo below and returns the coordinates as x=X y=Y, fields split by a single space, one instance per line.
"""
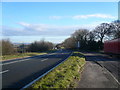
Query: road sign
x=78 y=44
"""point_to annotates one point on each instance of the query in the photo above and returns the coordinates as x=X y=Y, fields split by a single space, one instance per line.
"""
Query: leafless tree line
x=93 y=40
x=37 y=46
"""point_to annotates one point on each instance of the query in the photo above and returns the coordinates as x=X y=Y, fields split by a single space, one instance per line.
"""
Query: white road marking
x=44 y=59
x=4 y=71
x=15 y=61
x=52 y=54
x=110 y=74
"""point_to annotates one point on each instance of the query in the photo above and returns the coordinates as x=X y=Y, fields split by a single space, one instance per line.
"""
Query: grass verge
x=65 y=75
x=20 y=55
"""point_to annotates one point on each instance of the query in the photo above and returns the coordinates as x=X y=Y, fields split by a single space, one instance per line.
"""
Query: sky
x=25 y=22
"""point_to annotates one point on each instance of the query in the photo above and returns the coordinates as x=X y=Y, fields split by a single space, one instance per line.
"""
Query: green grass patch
x=20 y=55
x=63 y=76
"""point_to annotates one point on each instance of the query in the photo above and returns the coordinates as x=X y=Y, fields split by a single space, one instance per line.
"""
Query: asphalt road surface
x=101 y=71
x=19 y=72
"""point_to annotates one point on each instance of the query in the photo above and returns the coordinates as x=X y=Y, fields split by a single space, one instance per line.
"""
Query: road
x=18 y=73
x=101 y=71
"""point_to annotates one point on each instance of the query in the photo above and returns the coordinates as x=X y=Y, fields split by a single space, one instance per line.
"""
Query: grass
x=20 y=55
x=65 y=75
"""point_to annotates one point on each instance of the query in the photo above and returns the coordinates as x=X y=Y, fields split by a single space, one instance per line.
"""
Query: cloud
x=10 y=31
x=45 y=29
x=36 y=27
x=84 y=16
x=93 y=16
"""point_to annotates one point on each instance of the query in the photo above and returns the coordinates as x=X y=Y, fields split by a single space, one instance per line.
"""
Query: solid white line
x=15 y=61
x=4 y=71
x=112 y=76
x=44 y=59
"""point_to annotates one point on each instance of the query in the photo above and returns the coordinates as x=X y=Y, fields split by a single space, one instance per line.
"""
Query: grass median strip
x=65 y=75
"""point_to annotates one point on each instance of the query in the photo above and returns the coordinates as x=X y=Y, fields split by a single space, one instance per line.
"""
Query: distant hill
x=21 y=43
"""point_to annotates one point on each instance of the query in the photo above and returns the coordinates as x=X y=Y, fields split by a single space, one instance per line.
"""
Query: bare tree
x=102 y=31
x=7 y=48
x=69 y=43
x=115 y=29
x=80 y=34
x=39 y=46
x=91 y=36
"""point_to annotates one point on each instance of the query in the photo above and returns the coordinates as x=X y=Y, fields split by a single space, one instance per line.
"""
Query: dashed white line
x=4 y=71
x=44 y=59
x=52 y=54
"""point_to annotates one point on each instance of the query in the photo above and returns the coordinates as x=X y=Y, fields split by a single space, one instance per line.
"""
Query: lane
x=23 y=59
x=26 y=58
x=25 y=71
x=19 y=59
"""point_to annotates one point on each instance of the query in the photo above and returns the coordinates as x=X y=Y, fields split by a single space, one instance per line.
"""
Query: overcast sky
x=29 y=21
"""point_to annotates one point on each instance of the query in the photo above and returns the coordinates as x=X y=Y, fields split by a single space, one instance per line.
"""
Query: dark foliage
x=7 y=47
x=39 y=46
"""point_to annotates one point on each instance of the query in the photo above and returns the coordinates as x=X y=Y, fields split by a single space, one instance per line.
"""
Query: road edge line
x=112 y=76
x=110 y=73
